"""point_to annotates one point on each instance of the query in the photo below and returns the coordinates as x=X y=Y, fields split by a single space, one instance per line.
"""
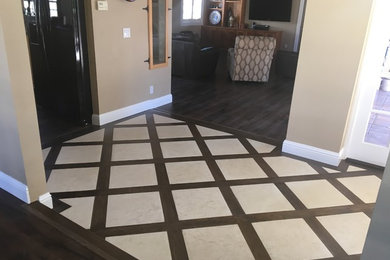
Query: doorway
x=370 y=130
x=57 y=43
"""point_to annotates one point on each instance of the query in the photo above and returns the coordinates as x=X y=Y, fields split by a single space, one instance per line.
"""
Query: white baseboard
x=46 y=200
x=14 y=187
x=311 y=152
x=130 y=110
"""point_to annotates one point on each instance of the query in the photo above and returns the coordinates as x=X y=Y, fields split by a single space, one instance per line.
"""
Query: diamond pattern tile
x=352 y=168
x=180 y=149
x=148 y=246
x=260 y=198
x=261 y=147
x=187 y=172
x=349 y=230
x=328 y=170
x=77 y=179
x=139 y=175
x=223 y=242
x=236 y=169
x=205 y=131
x=131 y=133
x=124 y=152
x=318 y=194
x=96 y=136
x=45 y=153
x=80 y=211
x=79 y=154
x=183 y=198
x=225 y=146
x=173 y=131
x=290 y=239
x=284 y=166
x=365 y=187
x=134 y=209
x=165 y=120
x=200 y=203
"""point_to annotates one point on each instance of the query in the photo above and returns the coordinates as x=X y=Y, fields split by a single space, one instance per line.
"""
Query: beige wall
x=122 y=77
x=16 y=83
x=288 y=28
x=332 y=42
x=11 y=160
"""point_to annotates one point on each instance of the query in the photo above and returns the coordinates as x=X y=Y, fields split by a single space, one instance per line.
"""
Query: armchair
x=251 y=58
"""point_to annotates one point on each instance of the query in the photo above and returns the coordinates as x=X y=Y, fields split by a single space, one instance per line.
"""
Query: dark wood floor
x=25 y=236
x=257 y=108
x=54 y=129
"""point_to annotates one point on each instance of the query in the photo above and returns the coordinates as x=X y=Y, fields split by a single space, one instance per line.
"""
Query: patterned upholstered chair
x=251 y=58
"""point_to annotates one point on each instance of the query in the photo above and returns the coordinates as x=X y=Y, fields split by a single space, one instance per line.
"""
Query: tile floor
x=162 y=188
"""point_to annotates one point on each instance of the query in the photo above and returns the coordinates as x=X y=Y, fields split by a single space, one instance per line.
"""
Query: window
x=29 y=8
x=53 y=8
x=192 y=12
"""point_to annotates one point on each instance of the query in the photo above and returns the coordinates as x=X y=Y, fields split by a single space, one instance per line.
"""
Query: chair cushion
x=255 y=42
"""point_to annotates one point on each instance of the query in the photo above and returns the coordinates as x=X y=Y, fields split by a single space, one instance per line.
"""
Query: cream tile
x=216 y=243
x=77 y=179
x=79 y=154
x=148 y=246
x=205 y=131
x=365 y=187
x=180 y=149
x=80 y=211
x=318 y=194
x=284 y=166
x=261 y=198
x=139 y=120
x=96 y=136
x=133 y=176
x=123 y=152
x=349 y=230
x=236 y=169
x=328 y=170
x=225 y=146
x=187 y=172
x=200 y=203
x=45 y=153
x=173 y=131
x=290 y=239
x=261 y=147
x=165 y=120
x=352 y=168
x=131 y=133
x=134 y=209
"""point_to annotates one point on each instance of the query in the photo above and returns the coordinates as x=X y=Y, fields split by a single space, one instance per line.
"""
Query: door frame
x=364 y=96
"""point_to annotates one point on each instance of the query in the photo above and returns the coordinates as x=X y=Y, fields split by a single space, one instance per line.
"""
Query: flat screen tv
x=270 y=10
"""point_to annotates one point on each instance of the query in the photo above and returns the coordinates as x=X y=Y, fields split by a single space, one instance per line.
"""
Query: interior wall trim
x=111 y=116
x=46 y=200
x=14 y=187
x=311 y=152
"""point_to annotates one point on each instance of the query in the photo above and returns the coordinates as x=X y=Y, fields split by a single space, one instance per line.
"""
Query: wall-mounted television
x=270 y=10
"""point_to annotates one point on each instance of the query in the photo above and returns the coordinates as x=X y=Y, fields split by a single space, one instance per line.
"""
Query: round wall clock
x=215 y=17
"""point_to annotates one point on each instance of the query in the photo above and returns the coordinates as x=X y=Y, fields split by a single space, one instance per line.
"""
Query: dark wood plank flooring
x=25 y=236
x=257 y=108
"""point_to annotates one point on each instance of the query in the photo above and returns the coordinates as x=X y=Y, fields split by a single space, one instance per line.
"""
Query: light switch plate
x=126 y=33
x=102 y=5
